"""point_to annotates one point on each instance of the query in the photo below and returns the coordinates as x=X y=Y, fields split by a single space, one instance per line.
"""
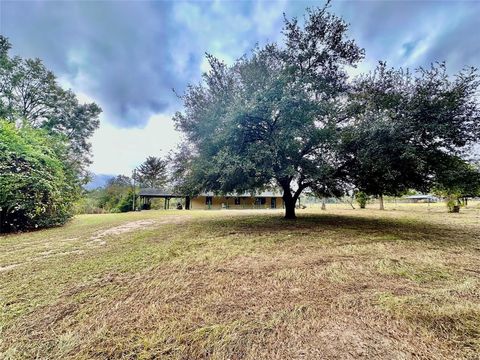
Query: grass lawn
x=396 y=284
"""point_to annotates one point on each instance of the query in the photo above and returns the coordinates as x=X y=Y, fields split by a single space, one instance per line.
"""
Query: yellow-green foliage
x=37 y=185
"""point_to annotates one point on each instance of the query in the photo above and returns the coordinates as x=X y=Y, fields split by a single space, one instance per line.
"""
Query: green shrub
x=38 y=186
x=362 y=199
x=453 y=203
x=125 y=203
x=89 y=203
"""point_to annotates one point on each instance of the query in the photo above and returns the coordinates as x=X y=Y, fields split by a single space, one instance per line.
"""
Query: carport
x=149 y=193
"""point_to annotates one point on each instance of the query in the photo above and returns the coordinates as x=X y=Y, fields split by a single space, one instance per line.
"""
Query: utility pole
x=133 y=199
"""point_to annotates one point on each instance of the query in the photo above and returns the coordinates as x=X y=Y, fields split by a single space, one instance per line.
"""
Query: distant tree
x=404 y=125
x=380 y=161
x=362 y=199
x=457 y=180
x=331 y=185
x=89 y=203
x=119 y=181
x=271 y=119
x=182 y=175
x=115 y=193
x=152 y=172
x=29 y=92
x=115 y=196
x=125 y=203
x=37 y=185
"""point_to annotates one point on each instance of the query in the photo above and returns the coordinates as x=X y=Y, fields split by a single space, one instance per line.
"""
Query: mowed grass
x=395 y=284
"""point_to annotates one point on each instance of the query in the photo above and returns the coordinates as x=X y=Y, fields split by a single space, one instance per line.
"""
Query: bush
x=116 y=196
x=37 y=185
x=362 y=199
x=125 y=203
x=453 y=203
x=89 y=203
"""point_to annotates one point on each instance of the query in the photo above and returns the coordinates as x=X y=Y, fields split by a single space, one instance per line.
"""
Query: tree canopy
x=406 y=125
x=458 y=179
x=152 y=172
x=271 y=118
x=44 y=144
x=38 y=186
x=29 y=92
x=287 y=116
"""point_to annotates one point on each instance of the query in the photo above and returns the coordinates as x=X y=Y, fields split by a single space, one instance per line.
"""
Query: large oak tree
x=272 y=118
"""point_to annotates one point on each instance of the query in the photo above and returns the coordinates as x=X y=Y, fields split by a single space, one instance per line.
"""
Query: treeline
x=118 y=194
x=44 y=148
x=115 y=196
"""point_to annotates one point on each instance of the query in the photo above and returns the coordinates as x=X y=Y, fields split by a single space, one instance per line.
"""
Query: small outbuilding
x=147 y=194
x=422 y=198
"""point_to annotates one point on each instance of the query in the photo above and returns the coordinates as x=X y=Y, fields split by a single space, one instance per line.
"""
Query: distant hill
x=98 y=180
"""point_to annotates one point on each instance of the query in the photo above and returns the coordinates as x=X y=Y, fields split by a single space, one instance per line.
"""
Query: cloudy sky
x=127 y=56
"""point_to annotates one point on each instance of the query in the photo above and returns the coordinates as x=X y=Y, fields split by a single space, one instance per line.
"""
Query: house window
x=273 y=203
x=260 y=201
x=237 y=201
x=208 y=200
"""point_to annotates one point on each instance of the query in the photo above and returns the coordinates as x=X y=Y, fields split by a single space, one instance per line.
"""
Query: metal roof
x=420 y=197
x=152 y=192
x=245 y=194
x=157 y=192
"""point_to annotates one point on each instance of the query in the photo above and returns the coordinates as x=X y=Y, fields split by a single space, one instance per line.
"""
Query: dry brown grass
x=397 y=284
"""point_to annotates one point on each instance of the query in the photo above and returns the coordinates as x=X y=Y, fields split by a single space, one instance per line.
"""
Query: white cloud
x=220 y=29
x=268 y=18
x=119 y=150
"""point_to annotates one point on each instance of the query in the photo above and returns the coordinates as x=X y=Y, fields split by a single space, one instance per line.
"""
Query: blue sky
x=127 y=56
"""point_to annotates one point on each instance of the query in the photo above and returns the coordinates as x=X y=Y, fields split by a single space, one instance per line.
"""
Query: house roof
x=420 y=197
x=157 y=192
x=246 y=194
x=152 y=192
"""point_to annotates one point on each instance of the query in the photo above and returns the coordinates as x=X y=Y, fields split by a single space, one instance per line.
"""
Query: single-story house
x=263 y=200
x=209 y=200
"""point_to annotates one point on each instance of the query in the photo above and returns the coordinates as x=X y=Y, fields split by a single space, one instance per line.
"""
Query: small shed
x=421 y=198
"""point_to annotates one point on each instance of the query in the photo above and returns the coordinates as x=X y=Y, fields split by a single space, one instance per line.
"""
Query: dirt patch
x=46 y=253
x=117 y=230
x=51 y=253
x=99 y=237
x=8 y=267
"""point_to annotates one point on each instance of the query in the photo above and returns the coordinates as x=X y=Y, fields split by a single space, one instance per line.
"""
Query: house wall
x=198 y=203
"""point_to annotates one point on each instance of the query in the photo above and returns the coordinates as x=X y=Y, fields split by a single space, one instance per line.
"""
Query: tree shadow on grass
x=351 y=227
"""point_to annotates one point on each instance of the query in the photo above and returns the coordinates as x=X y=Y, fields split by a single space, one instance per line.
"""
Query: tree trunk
x=323 y=204
x=381 y=202
x=289 y=207
x=289 y=202
x=351 y=204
